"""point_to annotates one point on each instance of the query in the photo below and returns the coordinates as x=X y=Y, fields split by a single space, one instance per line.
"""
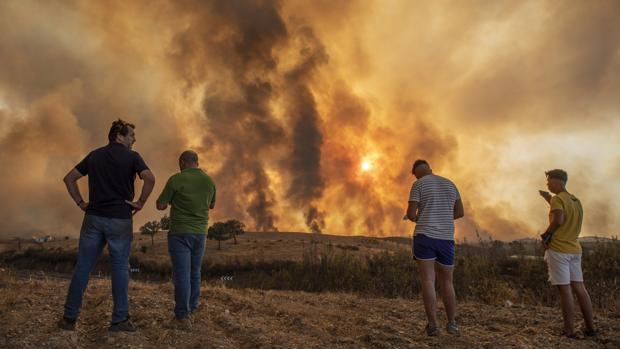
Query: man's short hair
x=189 y=157
x=557 y=174
x=119 y=127
x=418 y=163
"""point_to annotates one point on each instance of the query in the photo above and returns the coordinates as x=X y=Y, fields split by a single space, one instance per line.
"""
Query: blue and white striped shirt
x=435 y=196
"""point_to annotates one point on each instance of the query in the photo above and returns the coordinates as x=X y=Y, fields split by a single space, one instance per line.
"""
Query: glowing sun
x=366 y=166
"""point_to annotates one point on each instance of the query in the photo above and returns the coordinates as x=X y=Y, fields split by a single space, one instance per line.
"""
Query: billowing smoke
x=308 y=115
x=246 y=41
x=305 y=162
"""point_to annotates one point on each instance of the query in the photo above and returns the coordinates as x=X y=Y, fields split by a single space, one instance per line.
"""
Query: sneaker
x=67 y=324
x=123 y=326
x=180 y=324
x=452 y=328
x=432 y=331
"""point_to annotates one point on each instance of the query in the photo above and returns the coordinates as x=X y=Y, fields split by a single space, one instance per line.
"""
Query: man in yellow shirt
x=563 y=252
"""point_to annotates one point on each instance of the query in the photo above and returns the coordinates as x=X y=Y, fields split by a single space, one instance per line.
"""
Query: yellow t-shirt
x=565 y=238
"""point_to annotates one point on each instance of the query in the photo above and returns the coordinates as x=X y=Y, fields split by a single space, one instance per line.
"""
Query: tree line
x=219 y=231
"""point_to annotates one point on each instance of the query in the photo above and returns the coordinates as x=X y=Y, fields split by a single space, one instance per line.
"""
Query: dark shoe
x=180 y=324
x=452 y=328
x=123 y=326
x=66 y=324
x=569 y=336
x=432 y=331
x=591 y=334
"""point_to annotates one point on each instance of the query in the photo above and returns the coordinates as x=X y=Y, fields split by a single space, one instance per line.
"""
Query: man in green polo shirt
x=191 y=193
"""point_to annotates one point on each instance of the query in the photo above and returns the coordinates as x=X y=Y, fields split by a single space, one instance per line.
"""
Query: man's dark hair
x=119 y=127
x=418 y=163
x=557 y=174
x=189 y=157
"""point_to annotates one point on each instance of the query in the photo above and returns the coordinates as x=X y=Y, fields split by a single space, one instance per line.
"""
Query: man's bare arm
x=556 y=219
x=71 y=183
x=212 y=205
x=412 y=211
x=149 y=182
x=459 y=211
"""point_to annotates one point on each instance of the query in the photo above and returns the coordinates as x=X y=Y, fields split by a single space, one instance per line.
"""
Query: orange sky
x=310 y=114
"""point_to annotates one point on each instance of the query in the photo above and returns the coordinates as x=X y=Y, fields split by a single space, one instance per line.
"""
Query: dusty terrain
x=228 y=318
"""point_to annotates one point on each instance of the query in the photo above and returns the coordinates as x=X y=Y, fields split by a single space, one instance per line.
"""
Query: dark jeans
x=95 y=233
x=186 y=251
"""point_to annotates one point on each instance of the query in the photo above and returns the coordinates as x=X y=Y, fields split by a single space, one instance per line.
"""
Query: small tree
x=150 y=228
x=220 y=232
x=164 y=223
x=235 y=228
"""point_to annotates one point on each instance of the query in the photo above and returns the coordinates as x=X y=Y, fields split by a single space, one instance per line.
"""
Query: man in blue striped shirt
x=434 y=204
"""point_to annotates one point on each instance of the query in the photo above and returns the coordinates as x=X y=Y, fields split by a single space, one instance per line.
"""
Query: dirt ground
x=30 y=305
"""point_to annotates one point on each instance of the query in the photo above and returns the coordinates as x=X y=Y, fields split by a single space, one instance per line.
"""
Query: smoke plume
x=309 y=115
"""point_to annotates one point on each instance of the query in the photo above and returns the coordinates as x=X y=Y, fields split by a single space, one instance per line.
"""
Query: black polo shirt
x=111 y=174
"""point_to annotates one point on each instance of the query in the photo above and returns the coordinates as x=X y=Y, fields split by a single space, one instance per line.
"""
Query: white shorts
x=563 y=267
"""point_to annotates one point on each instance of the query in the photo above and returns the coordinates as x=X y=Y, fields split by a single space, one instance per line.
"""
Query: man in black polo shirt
x=111 y=174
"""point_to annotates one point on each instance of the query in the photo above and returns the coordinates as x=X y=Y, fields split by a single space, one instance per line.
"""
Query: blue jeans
x=95 y=233
x=186 y=251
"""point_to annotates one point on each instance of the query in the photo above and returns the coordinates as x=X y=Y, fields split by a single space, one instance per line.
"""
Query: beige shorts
x=563 y=267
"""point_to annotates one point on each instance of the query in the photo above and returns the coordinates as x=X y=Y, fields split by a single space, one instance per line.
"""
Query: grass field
x=295 y=290
x=250 y=318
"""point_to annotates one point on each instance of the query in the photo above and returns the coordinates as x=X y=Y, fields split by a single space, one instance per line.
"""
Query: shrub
x=487 y=272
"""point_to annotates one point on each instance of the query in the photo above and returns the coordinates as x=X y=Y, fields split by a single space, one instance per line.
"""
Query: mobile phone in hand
x=546 y=237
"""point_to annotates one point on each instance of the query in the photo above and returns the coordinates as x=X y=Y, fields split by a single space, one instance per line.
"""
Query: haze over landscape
x=309 y=115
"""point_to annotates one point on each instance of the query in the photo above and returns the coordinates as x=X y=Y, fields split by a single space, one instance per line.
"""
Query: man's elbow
x=69 y=179
x=150 y=179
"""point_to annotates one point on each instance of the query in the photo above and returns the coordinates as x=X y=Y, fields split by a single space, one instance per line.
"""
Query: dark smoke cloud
x=284 y=100
x=244 y=39
x=307 y=183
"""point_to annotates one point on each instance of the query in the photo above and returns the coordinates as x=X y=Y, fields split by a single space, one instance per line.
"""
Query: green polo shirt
x=190 y=193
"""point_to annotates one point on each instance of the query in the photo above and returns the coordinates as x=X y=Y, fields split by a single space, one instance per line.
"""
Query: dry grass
x=489 y=272
x=251 y=246
x=231 y=318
